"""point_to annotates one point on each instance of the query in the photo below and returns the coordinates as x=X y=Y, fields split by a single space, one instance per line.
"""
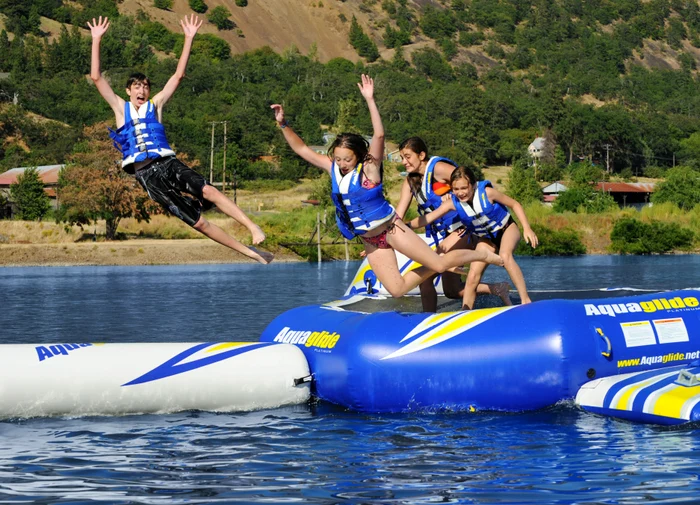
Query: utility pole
x=607 y=157
x=223 y=178
x=211 y=156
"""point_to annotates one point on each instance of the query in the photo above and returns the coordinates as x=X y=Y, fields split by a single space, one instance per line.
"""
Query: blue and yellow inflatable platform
x=505 y=358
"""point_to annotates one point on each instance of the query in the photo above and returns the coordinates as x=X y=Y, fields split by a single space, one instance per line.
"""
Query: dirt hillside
x=279 y=24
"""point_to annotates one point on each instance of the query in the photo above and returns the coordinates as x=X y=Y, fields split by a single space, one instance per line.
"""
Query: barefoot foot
x=258 y=234
x=493 y=259
x=260 y=256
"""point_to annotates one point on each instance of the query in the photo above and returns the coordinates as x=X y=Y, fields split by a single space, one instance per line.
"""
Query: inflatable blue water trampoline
x=506 y=358
x=635 y=357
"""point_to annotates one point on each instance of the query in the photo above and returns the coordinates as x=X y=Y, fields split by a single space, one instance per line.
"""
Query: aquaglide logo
x=320 y=339
x=654 y=305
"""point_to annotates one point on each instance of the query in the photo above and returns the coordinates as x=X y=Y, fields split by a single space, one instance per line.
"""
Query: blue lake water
x=317 y=453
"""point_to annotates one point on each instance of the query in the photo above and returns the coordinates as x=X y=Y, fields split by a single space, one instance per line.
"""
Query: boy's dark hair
x=138 y=77
x=463 y=173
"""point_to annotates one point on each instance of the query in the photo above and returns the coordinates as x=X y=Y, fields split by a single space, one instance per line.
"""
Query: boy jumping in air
x=140 y=137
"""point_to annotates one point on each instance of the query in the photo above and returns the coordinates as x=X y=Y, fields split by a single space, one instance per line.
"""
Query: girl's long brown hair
x=417 y=145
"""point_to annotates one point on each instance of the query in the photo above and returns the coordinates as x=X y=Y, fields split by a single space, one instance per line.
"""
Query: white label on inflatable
x=671 y=330
x=638 y=333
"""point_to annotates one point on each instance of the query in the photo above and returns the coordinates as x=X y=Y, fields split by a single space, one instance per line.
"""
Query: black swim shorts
x=166 y=179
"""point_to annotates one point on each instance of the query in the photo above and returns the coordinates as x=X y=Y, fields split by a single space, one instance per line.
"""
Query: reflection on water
x=320 y=454
x=316 y=453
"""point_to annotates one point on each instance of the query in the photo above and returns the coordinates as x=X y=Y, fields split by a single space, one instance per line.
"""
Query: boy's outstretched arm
x=189 y=27
x=97 y=30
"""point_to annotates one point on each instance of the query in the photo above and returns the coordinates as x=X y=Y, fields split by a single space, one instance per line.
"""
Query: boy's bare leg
x=218 y=235
x=226 y=205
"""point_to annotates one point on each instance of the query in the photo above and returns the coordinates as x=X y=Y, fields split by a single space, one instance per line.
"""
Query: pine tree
x=29 y=197
x=364 y=46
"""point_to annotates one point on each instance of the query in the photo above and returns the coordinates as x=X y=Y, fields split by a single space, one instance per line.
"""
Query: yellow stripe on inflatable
x=456 y=324
x=227 y=345
x=670 y=404
x=623 y=402
x=471 y=318
x=360 y=275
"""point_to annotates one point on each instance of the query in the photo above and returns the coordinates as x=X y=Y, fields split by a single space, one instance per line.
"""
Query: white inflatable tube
x=109 y=379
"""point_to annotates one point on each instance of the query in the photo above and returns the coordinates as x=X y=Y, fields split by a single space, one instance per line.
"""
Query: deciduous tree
x=93 y=186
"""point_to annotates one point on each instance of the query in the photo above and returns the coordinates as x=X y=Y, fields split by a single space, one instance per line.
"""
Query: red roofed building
x=628 y=194
x=47 y=173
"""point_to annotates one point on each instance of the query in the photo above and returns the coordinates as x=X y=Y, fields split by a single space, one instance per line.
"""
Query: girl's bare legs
x=452 y=284
x=226 y=205
x=510 y=240
x=476 y=271
x=404 y=240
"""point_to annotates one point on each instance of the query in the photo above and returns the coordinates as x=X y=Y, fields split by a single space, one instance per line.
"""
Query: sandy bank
x=128 y=252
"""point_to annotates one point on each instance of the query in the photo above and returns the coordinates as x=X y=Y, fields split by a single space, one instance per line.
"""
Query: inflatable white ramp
x=667 y=396
x=133 y=378
x=368 y=293
x=365 y=280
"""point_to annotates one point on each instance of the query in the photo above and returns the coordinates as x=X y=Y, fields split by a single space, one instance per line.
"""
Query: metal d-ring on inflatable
x=108 y=379
x=506 y=358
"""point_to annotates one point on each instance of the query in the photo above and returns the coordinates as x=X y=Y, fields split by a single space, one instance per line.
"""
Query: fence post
x=318 y=236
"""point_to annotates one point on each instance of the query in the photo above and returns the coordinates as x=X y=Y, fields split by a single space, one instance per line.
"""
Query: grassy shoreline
x=284 y=217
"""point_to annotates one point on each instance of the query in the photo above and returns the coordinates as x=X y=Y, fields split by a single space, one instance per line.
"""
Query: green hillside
x=607 y=80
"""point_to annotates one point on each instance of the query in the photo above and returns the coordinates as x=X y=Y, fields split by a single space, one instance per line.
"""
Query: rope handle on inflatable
x=608 y=352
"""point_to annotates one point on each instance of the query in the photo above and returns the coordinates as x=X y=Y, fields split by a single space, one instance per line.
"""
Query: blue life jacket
x=141 y=137
x=428 y=201
x=482 y=218
x=357 y=209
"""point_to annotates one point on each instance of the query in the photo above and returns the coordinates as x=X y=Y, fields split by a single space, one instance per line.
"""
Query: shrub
x=163 y=4
x=219 y=16
x=158 y=35
x=241 y=3
x=585 y=173
x=522 y=185
x=654 y=172
x=198 y=6
x=631 y=236
x=583 y=199
x=468 y=39
x=548 y=172
x=682 y=187
x=552 y=243
x=321 y=191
